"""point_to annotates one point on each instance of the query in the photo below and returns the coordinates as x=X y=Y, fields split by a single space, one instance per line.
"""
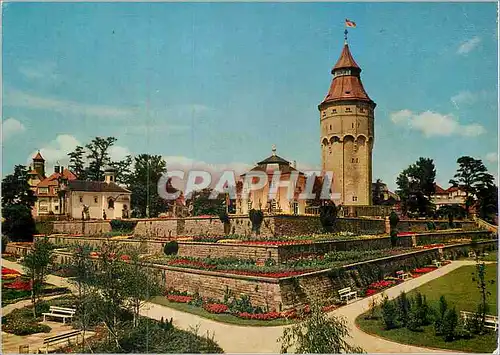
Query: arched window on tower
x=111 y=203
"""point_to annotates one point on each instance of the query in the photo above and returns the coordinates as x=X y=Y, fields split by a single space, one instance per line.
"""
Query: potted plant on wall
x=256 y=217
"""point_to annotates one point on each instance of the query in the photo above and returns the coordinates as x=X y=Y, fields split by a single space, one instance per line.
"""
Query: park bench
x=403 y=275
x=472 y=254
x=437 y=263
x=59 y=338
x=60 y=312
x=346 y=294
x=490 y=321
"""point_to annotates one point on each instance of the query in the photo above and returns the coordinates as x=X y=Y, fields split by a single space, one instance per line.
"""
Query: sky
x=217 y=84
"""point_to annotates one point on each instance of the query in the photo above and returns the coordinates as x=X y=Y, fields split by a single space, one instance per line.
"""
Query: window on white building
x=355 y=198
x=95 y=199
x=81 y=199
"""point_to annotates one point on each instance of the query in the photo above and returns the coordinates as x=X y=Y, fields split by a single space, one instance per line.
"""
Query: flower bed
x=424 y=270
x=19 y=285
x=179 y=298
x=260 y=316
x=378 y=286
x=432 y=246
x=215 y=307
x=191 y=263
x=276 y=242
x=9 y=273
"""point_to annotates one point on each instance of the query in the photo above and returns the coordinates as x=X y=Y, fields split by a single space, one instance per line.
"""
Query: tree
x=416 y=186
x=378 y=195
x=82 y=269
x=18 y=223
x=141 y=283
x=389 y=313
x=404 y=308
x=148 y=170
x=16 y=190
x=256 y=217
x=77 y=162
x=123 y=171
x=328 y=216
x=487 y=198
x=471 y=174
x=479 y=277
x=318 y=334
x=393 y=222
x=98 y=157
x=450 y=322
x=204 y=205
x=442 y=308
x=110 y=280
x=36 y=264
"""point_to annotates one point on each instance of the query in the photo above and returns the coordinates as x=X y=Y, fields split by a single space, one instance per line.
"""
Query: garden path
x=240 y=339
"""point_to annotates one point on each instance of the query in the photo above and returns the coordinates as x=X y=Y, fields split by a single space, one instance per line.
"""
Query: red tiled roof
x=439 y=189
x=38 y=156
x=346 y=60
x=52 y=179
x=346 y=87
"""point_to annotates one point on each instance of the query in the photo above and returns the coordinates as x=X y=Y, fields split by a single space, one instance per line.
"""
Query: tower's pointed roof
x=346 y=83
x=346 y=60
x=38 y=156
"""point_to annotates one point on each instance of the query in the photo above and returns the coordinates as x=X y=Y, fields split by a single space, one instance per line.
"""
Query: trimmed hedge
x=122 y=225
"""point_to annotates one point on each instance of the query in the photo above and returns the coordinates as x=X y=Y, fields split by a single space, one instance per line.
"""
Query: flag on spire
x=349 y=23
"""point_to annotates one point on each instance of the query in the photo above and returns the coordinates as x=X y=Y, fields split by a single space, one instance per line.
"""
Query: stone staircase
x=485 y=225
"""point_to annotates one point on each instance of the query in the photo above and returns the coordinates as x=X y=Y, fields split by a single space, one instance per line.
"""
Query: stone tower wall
x=347 y=134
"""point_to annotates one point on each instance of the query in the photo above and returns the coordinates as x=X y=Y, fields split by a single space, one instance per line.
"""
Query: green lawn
x=223 y=318
x=460 y=292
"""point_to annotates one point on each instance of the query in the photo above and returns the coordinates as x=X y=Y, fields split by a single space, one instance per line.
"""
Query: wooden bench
x=346 y=294
x=472 y=254
x=403 y=275
x=437 y=263
x=60 y=312
x=56 y=339
x=490 y=321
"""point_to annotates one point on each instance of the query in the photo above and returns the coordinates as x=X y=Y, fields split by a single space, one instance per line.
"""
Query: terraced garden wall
x=291 y=291
x=279 y=253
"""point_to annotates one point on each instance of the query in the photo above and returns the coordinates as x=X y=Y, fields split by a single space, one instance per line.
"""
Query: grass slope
x=461 y=292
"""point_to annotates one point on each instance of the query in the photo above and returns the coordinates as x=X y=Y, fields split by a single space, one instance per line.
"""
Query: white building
x=104 y=199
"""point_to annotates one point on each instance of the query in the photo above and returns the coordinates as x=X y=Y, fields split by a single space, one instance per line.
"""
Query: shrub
x=171 y=248
x=389 y=313
x=224 y=217
x=121 y=225
x=256 y=217
x=393 y=220
x=431 y=226
x=451 y=224
x=421 y=309
x=404 y=308
x=21 y=322
x=394 y=237
x=450 y=323
x=442 y=308
x=328 y=216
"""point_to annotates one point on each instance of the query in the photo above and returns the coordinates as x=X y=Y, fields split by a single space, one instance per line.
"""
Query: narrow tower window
x=355 y=198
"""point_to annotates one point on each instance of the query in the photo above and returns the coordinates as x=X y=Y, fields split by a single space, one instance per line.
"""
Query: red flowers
x=381 y=284
x=125 y=258
x=19 y=285
x=179 y=298
x=276 y=242
x=260 y=316
x=216 y=307
x=7 y=271
x=191 y=263
x=424 y=270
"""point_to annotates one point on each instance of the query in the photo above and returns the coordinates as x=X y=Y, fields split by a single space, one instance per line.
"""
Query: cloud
x=468 y=45
x=57 y=151
x=186 y=164
x=21 y=99
x=469 y=98
x=11 y=127
x=492 y=157
x=40 y=71
x=436 y=124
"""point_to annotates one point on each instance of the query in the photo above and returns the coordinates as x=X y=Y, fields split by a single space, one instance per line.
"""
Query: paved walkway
x=240 y=339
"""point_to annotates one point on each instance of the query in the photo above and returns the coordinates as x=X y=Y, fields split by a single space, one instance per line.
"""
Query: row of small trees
x=108 y=289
